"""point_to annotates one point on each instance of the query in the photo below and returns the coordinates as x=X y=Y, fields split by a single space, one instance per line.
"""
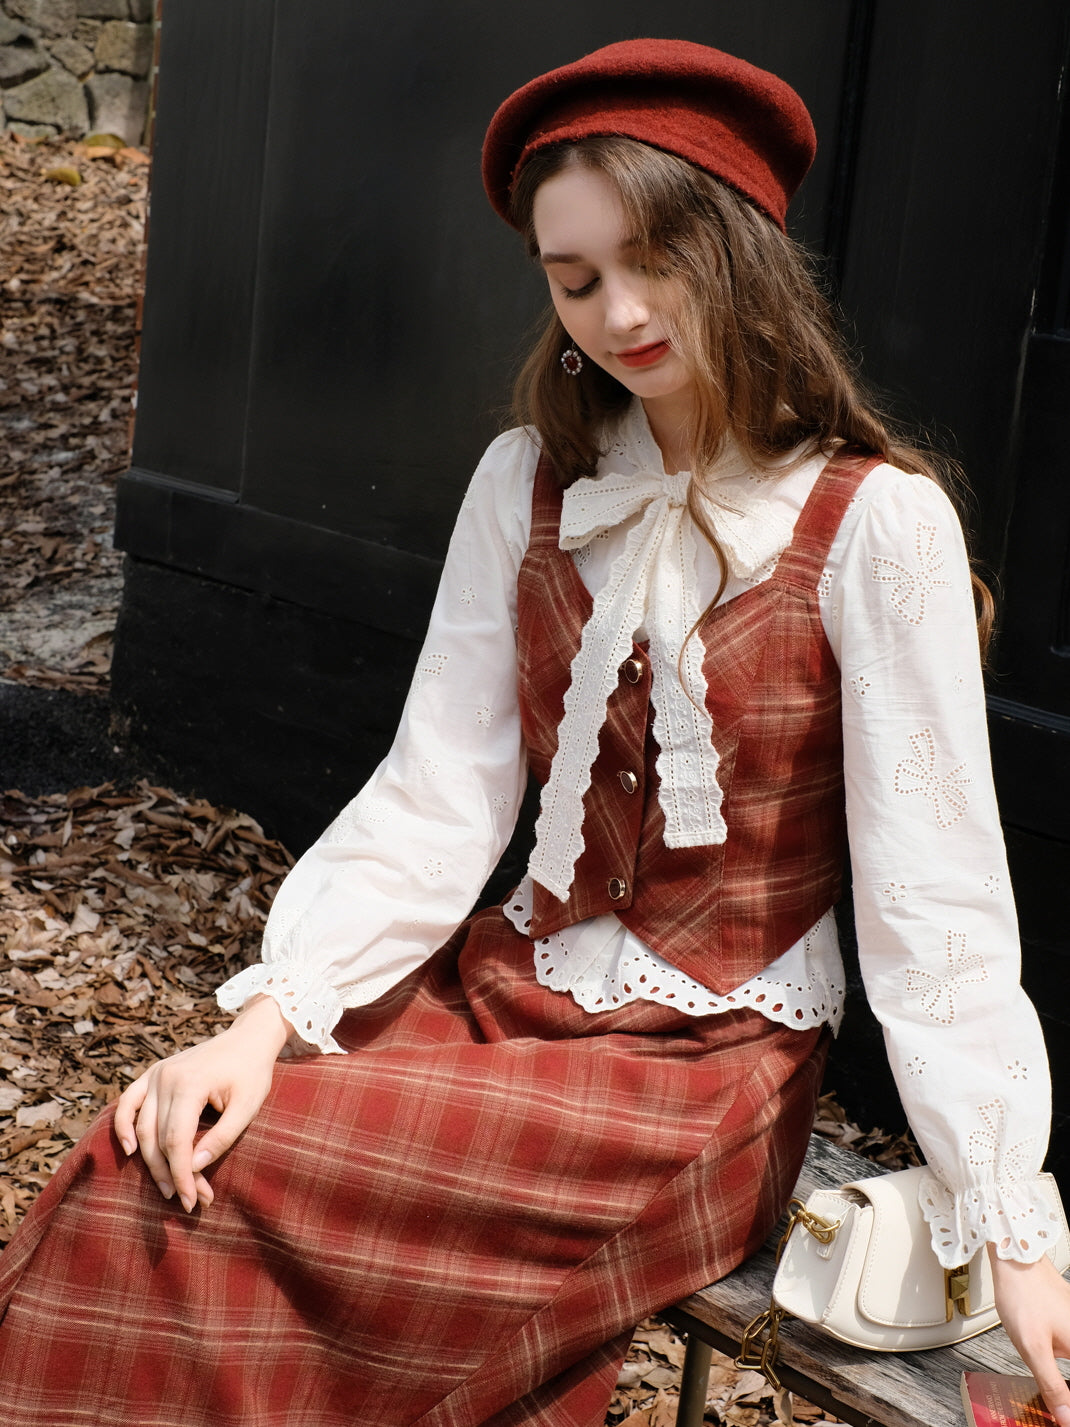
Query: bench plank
x=863 y=1387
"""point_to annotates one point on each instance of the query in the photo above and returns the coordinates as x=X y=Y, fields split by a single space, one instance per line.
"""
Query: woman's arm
x=936 y=925
x=400 y=867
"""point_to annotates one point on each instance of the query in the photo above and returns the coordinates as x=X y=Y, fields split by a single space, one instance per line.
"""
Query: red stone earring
x=572 y=361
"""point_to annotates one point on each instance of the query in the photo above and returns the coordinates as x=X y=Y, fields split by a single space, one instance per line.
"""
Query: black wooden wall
x=333 y=315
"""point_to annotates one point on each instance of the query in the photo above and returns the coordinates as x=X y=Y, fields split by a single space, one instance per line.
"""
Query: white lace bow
x=652 y=583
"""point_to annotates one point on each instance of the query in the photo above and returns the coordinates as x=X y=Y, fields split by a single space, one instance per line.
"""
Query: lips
x=644 y=356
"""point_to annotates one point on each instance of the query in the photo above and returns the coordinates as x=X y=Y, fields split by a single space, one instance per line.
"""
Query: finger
x=1049 y=1380
x=178 y=1128
x=126 y=1109
x=219 y=1138
x=147 y=1130
x=205 y=1192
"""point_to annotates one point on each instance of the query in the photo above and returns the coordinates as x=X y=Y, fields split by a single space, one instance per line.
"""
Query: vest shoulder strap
x=815 y=530
x=545 y=506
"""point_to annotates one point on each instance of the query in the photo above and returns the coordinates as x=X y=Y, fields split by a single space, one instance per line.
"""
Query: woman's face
x=608 y=303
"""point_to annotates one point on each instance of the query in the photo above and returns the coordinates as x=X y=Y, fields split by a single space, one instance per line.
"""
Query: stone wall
x=75 y=67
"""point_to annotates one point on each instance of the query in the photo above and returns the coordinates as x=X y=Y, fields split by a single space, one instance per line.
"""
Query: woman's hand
x=160 y=1110
x=1033 y=1302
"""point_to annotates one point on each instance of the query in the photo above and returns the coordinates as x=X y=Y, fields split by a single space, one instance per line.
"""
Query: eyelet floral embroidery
x=860 y=687
x=912 y=586
x=988 y=1147
x=375 y=810
x=433 y=867
x=428 y=769
x=468 y=595
x=938 y=992
x=429 y=665
x=764 y=572
x=894 y=891
x=360 y=810
x=993 y=884
x=824 y=585
x=1017 y=1071
x=915 y=1065
x=484 y=716
x=919 y=775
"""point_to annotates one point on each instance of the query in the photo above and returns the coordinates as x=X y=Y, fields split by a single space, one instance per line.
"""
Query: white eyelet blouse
x=399 y=868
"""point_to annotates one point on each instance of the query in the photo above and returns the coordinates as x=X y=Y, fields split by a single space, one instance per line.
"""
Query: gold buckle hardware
x=761 y=1338
x=957 y=1290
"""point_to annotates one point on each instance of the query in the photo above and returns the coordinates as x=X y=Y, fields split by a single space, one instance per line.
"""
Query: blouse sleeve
x=937 y=931
x=400 y=867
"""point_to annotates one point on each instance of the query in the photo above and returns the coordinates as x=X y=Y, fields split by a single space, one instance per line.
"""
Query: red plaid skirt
x=460 y=1222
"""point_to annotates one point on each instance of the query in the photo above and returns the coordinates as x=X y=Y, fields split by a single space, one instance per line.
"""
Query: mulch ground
x=121 y=913
x=121 y=909
x=72 y=225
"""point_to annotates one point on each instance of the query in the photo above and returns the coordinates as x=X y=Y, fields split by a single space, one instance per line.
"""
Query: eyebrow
x=550 y=259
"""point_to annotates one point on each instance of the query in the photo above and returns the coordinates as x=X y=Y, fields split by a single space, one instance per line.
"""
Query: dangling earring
x=572 y=361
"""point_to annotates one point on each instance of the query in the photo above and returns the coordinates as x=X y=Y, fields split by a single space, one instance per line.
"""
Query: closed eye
x=584 y=291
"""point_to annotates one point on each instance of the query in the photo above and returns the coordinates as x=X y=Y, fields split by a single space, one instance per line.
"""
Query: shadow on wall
x=75 y=67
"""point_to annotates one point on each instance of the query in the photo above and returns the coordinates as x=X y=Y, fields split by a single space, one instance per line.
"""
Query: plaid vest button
x=628 y=781
x=632 y=670
x=618 y=888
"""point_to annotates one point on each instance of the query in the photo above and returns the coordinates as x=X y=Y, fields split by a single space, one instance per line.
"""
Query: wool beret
x=738 y=122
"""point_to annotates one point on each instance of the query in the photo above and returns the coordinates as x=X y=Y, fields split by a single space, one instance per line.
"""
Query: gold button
x=628 y=781
x=617 y=888
x=632 y=669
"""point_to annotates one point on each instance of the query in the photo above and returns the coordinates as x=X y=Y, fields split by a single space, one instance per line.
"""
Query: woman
x=585 y=1104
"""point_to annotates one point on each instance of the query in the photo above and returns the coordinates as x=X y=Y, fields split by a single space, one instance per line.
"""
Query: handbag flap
x=902 y=1283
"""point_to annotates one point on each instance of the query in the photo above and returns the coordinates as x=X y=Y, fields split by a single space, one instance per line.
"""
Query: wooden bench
x=863 y=1388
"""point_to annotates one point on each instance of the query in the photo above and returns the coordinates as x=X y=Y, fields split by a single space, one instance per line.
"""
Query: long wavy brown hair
x=750 y=320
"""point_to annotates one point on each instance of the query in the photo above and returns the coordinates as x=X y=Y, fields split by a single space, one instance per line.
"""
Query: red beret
x=740 y=123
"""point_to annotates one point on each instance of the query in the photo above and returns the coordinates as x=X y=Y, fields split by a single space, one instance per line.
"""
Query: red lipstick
x=643 y=356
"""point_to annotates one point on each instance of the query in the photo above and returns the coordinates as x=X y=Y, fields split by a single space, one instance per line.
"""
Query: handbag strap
x=760 y=1343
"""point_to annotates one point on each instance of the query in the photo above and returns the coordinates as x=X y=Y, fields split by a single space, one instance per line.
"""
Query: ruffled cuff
x=309 y=1003
x=1017 y=1217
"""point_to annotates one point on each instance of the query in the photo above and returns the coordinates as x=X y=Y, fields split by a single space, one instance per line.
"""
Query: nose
x=627 y=303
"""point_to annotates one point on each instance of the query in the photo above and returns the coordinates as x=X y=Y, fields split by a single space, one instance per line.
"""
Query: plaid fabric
x=721 y=912
x=457 y=1223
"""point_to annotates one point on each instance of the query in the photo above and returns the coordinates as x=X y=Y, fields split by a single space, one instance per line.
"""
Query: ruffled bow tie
x=652 y=583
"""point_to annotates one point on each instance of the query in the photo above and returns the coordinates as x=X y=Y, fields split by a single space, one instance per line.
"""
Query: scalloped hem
x=604 y=967
x=311 y=1007
x=1017 y=1218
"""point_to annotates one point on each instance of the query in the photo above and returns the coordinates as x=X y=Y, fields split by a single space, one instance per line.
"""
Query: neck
x=669 y=419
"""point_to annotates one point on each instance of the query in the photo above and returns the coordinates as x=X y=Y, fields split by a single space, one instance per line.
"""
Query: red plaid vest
x=722 y=912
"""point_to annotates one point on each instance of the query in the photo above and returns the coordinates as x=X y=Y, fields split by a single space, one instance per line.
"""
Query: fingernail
x=1062 y=1416
x=128 y=1146
x=187 y=1203
x=165 y=1187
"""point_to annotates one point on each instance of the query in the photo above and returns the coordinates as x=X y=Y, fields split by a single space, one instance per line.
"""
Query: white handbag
x=857 y=1262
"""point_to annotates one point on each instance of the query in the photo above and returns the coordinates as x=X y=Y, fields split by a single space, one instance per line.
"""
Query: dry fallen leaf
x=65 y=173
